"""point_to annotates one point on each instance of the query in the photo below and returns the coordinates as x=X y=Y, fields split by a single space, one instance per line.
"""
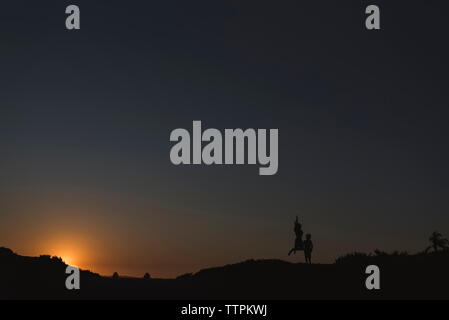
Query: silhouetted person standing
x=308 y=248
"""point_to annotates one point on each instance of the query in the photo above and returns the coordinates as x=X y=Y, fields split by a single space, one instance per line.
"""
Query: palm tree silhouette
x=437 y=241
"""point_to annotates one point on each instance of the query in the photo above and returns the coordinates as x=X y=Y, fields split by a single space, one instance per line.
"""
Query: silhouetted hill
x=402 y=276
x=34 y=277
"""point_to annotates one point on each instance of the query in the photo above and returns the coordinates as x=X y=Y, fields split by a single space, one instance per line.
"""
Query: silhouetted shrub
x=115 y=276
x=379 y=253
x=6 y=252
x=57 y=259
x=353 y=257
x=360 y=257
x=147 y=276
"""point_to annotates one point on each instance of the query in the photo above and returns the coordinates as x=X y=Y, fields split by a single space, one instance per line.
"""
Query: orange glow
x=70 y=255
x=68 y=260
x=71 y=248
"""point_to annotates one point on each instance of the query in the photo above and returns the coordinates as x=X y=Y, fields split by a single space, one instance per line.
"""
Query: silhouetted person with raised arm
x=298 y=240
x=308 y=248
x=298 y=230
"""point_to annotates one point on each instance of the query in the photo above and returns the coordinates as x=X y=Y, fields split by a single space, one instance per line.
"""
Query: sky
x=86 y=116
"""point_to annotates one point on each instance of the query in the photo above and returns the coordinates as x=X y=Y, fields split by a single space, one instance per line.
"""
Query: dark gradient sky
x=85 y=119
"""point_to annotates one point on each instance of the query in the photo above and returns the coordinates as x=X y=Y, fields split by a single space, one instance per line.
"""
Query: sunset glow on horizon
x=86 y=118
